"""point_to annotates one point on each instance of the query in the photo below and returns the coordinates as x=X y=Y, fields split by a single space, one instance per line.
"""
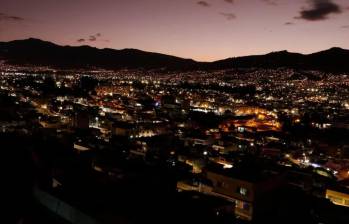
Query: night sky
x=203 y=30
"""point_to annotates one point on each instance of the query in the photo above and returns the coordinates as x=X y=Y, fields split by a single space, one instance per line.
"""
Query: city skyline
x=202 y=30
x=175 y=111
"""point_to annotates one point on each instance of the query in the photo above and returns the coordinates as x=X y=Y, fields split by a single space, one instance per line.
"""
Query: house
x=339 y=194
x=248 y=187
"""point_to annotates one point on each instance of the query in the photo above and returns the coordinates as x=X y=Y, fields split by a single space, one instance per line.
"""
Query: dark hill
x=37 y=52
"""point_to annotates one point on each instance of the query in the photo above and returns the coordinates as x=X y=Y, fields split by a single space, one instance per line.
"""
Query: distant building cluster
x=250 y=143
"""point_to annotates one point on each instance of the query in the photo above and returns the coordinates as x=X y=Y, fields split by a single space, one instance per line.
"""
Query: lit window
x=241 y=129
x=243 y=191
x=239 y=204
x=335 y=200
x=242 y=205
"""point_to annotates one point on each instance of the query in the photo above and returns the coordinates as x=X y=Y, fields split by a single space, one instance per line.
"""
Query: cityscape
x=101 y=136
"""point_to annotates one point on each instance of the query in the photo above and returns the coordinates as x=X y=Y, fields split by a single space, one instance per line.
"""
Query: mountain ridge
x=34 y=51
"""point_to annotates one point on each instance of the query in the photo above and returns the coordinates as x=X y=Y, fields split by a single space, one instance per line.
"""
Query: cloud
x=204 y=3
x=92 y=38
x=229 y=1
x=6 y=17
x=345 y=27
x=289 y=23
x=270 y=2
x=319 y=10
x=228 y=16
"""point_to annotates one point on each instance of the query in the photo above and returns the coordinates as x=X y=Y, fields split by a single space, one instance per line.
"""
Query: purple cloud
x=6 y=17
x=203 y=3
x=228 y=16
x=319 y=10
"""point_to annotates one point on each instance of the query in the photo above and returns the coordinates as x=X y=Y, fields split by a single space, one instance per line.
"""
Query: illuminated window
x=242 y=205
x=335 y=200
x=243 y=191
x=239 y=204
x=241 y=129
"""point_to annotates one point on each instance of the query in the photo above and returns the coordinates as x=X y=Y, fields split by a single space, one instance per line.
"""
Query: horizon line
x=168 y=54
